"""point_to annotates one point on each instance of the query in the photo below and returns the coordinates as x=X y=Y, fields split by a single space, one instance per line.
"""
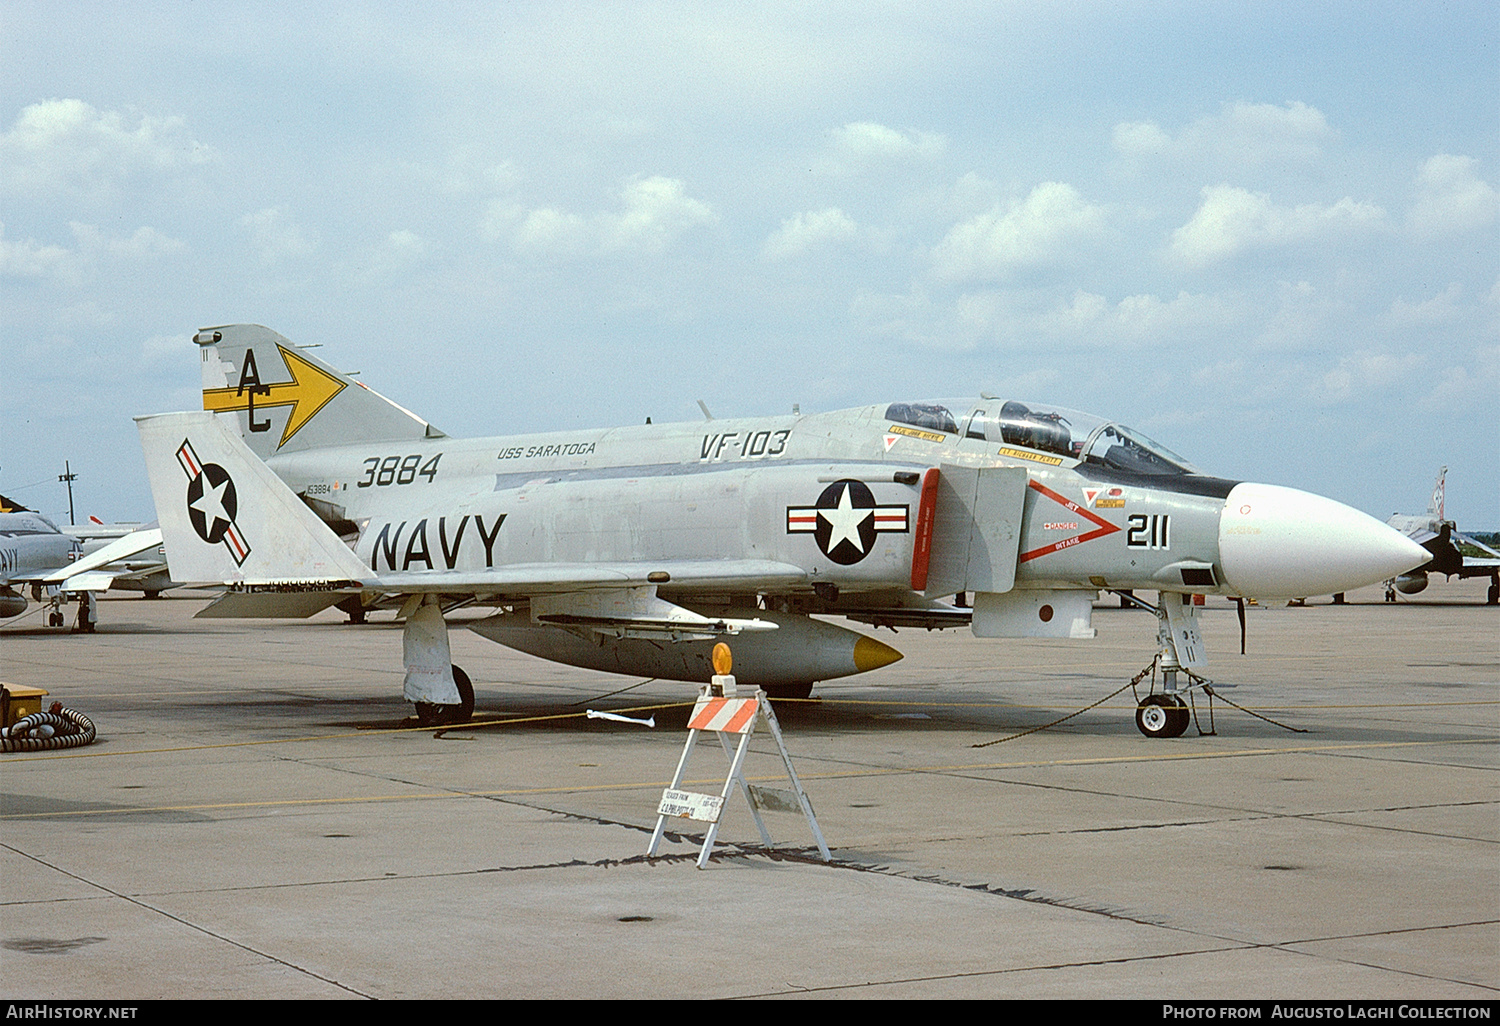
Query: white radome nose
x=1283 y=543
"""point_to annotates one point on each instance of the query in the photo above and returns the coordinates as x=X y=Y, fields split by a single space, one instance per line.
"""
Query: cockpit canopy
x=932 y=416
x=1044 y=428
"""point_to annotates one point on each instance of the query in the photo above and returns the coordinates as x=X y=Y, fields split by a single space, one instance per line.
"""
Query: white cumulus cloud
x=808 y=230
x=1452 y=198
x=1231 y=220
x=27 y=258
x=31 y=259
x=1141 y=318
x=653 y=213
x=1241 y=133
x=1049 y=225
x=656 y=211
x=1440 y=309
x=143 y=244
x=1367 y=376
x=862 y=142
x=69 y=147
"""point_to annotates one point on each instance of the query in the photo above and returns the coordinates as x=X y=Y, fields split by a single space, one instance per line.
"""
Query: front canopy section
x=1042 y=427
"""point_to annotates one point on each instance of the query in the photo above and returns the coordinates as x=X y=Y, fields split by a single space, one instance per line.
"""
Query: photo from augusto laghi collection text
x=1358 y=1010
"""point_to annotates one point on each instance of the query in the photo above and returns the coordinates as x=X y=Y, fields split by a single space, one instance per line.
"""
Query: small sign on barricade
x=720 y=709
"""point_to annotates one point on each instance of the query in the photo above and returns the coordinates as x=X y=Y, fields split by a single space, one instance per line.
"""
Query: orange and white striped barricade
x=720 y=710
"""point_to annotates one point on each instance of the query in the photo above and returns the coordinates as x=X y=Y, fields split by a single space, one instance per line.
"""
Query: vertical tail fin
x=1435 y=506
x=283 y=399
x=226 y=518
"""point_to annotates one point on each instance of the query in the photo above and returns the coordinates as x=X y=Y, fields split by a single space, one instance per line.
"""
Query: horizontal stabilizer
x=1477 y=544
x=89 y=580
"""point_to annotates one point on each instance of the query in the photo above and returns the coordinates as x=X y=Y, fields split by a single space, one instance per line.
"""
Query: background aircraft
x=1440 y=537
x=635 y=549
x=59 y=566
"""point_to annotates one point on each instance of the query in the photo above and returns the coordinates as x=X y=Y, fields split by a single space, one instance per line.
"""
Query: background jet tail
x=226 y=518
x=282 y=399
x=1435 y=505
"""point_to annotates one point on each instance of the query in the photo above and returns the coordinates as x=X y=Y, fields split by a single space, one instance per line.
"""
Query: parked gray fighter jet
x=634 y=549
x=58 y=567
x=1440 y=537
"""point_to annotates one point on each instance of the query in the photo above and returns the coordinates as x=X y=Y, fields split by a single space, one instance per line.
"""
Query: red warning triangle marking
x=1104 y=528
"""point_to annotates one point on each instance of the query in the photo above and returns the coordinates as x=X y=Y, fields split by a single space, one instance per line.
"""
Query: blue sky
x=1267 y=235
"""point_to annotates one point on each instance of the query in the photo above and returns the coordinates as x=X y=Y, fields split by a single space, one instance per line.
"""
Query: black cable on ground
x=1208 y=689
x=1132 y=683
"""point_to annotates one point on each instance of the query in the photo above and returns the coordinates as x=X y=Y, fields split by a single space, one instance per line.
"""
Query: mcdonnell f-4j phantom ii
x=56 y=566
x=1441 y=537
x=635 y=549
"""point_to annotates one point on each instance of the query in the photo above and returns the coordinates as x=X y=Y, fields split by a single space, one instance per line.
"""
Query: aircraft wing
x=1420 y=534
x=519 y=581
x=525 y=579
x=1481 y=546
x=1478 y=567
x=92 y=573
x=100 y=569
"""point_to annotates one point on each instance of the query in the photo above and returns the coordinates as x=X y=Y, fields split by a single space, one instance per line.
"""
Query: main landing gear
x=431 y=714
x=429 y=667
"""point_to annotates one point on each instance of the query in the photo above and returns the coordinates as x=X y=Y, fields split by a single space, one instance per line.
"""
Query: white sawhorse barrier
x=720 y=710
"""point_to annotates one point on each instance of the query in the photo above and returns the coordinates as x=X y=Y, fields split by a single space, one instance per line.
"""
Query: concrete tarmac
x=259 y=819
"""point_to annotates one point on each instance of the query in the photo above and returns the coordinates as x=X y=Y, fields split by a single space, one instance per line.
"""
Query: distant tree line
x=1490 y=538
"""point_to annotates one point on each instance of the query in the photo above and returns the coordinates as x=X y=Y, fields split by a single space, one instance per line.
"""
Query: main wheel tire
x=1162 y=716
x=431 y=714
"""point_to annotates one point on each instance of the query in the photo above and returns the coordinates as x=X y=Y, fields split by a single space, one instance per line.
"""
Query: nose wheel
x=1162 y=716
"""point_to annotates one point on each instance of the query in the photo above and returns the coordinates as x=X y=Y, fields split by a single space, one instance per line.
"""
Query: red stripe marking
x=921 y=550
x=746 y=710
x=186 y=455
x=706 y=714
x=237 y=544
x=740 y=718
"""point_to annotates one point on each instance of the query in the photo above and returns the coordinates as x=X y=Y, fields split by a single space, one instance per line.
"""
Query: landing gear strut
x=429 y=666
x=87 y=614
x=1166 y=714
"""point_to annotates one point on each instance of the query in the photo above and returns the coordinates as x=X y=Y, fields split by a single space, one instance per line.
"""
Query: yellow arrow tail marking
x=309 y=391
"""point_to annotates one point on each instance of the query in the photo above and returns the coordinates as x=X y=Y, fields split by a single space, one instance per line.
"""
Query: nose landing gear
x=1162 y=716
